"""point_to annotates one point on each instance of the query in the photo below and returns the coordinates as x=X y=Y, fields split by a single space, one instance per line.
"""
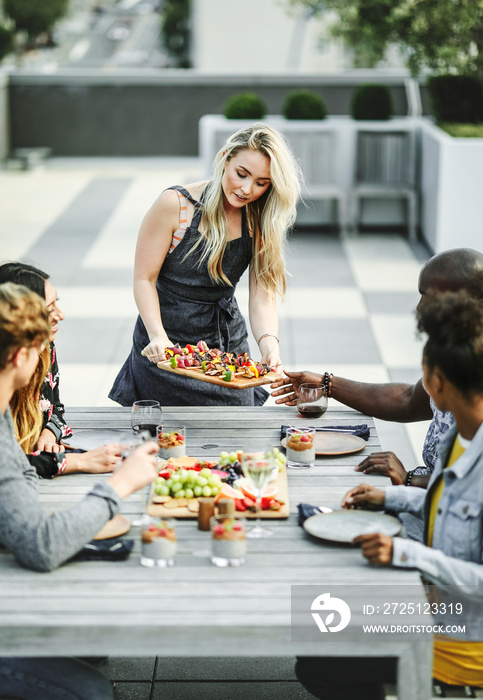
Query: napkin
x=114 y=549
x=306 y=511
x=359 y=430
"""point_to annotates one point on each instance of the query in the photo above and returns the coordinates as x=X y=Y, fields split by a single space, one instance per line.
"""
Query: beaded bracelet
x=409 y=478
x=327 y=382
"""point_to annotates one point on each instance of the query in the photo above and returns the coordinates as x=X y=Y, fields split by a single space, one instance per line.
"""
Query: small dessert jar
x=300 y=446
x=171 y=442
x=228 y=540
x=158 y=542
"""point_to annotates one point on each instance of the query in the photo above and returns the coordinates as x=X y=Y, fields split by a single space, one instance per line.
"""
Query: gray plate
x=90 y=439
x=344 y=525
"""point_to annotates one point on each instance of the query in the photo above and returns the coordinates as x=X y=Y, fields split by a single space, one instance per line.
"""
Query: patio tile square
x=391 y=302
x=235 y=691
x=132 y=691
x=226 y=669
x=122 y=668
x=348 y=341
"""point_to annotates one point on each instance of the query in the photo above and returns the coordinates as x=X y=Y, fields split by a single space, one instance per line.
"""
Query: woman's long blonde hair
x=24 y=322
x=269 y=217
x=25 y=407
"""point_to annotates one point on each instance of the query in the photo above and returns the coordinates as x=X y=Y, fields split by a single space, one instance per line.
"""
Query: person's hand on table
x=154 y=351
x=385 y=463
x=376 y=548
x=363 y=496
x=48 y=443
x=287 y=387
x=99 y=461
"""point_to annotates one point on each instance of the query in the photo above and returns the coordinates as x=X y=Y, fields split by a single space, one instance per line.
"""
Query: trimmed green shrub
x=245 y=105
x=303 y=104
x=456 y=98
x=463 y=131
x=371 y=101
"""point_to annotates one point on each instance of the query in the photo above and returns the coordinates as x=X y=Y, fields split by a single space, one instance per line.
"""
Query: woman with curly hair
x=38 y=539
x=452 y=509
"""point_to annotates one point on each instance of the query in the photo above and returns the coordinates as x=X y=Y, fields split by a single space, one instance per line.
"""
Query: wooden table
x=194 y=608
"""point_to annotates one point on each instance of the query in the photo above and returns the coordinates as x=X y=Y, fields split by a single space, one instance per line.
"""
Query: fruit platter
x=217 y=367
x=182 y=481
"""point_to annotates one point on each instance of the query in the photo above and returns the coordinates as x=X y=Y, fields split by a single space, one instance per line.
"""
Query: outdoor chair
x=316 y=153
x=386 y=168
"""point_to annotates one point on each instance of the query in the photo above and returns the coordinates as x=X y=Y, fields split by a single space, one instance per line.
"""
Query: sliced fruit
x=227 y=491
x=269 y=492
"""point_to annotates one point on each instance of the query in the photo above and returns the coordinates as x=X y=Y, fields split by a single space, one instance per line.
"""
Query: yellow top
x=455 y=661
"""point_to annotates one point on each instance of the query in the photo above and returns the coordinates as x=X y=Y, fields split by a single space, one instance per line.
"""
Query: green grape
x=224 y=455
x=205 y=472
x=164 y=491
x=206 y=491
x=158 y=489
x=175 y=477
x=176 y=487
x=197 y=490
x=214 y=490
x=189 y=493
x=181 y=493
x=159 y=480
x=201 y=481
x=233 y=457
x=182 y=475
x=169 y=482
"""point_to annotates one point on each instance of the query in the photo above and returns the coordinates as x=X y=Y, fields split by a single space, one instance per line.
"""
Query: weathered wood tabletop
x=194 y=608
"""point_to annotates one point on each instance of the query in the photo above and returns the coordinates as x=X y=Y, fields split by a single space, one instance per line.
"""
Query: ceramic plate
x=117 y=526
x=344 y=525
x=333 y=443
x=90 y=439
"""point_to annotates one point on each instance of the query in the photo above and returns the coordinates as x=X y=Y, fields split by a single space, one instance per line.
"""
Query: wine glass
x=128 y=443
x=146 y=415
x=312 y=400
x=257 y=466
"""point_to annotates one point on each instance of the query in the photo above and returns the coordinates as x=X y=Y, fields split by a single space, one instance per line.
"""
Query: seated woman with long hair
x=37 y=409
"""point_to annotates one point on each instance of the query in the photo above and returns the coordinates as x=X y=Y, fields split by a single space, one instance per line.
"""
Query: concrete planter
x=451 y=180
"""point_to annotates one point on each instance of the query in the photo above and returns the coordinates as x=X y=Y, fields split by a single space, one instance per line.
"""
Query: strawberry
x=239 y=505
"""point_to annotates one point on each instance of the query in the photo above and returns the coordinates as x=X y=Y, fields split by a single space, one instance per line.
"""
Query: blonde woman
x=193 y=246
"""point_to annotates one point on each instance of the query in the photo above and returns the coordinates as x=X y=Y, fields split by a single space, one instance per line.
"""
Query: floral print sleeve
x=50 y=403
x=441 y=423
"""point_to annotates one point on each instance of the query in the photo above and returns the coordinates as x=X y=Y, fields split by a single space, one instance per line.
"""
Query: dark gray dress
x=193 y=308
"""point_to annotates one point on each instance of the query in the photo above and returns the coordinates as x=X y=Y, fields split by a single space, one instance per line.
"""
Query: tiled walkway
x=348 y=310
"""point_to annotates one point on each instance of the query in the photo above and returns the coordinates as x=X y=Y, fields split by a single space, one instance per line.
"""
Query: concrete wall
x=150 y=114
x=4 y=130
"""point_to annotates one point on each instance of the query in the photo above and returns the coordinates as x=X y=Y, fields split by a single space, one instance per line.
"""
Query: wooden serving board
x=160 y=510
x=237 y=383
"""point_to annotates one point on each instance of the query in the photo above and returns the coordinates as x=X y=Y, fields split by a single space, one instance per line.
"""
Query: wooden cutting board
x=237 y=383
x=160 y=510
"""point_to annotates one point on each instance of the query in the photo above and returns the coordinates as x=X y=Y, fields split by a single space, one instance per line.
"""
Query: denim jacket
x=456 y=555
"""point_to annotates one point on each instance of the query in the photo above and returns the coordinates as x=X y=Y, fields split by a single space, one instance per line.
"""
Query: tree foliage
x=35 y=16
x=176 y=30
x=445 y=36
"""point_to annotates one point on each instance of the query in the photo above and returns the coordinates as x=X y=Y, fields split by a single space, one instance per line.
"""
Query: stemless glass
x=257 y=467
x=312 y=400
x=146 y=415
x=128 y=443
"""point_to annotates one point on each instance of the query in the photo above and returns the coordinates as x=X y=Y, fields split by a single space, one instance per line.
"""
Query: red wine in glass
x=311 y=410
x=143 y=427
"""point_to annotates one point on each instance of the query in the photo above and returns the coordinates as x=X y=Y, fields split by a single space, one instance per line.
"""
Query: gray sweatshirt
x=37 y=539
